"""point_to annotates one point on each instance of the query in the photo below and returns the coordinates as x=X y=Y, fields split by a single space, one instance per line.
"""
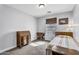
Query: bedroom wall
x=41 y=27
x=12 y=20
x=76 y=22
x=49 y=35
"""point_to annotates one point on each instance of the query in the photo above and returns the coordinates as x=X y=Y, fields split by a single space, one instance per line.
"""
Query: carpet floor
x=34 y=48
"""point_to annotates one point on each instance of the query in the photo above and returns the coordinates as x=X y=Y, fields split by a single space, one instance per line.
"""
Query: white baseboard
x=7 y=49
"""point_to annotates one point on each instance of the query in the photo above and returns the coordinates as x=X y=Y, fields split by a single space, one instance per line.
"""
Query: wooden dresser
x=23 y=38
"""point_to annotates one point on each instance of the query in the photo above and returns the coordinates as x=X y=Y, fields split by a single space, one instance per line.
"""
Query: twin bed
x=63 y=43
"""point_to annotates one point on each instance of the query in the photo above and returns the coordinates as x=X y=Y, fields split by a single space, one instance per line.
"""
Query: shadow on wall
x=7 y=41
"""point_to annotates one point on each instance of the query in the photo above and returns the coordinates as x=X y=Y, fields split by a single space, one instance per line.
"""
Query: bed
x=63 y=43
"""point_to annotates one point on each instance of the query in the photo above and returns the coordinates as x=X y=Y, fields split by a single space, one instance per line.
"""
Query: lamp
x=41 y=5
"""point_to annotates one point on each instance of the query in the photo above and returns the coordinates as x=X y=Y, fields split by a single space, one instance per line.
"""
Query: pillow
x=61 y=36
x=64 y=36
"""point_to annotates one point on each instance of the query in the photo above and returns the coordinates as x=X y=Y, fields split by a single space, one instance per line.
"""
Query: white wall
x=41 y=24
x=76 y=21
x=76 y=14
x=12 y=20
x=41 y=27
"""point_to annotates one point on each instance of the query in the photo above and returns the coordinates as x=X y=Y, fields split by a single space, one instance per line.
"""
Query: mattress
x=64 y=41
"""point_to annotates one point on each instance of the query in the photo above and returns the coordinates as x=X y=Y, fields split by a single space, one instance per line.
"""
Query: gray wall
x=12 y=20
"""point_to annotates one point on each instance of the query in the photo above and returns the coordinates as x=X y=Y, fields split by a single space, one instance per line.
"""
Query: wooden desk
x=40 y=35
x=61 y=51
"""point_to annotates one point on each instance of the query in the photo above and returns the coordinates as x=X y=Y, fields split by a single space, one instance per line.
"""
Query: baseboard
x=1 y=51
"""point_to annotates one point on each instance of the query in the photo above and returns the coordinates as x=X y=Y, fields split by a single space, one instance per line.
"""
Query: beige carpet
x=35 y=48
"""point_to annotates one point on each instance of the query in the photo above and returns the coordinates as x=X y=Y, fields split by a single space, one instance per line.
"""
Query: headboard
x=64 y=33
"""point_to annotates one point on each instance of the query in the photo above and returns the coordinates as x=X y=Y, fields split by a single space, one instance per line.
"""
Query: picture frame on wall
x=63 y=21
x=51 y=21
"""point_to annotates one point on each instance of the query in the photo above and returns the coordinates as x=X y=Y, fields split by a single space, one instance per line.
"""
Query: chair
x=40 y=35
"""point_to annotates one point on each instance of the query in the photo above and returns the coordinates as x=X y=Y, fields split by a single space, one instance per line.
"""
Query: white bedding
x=64 y=41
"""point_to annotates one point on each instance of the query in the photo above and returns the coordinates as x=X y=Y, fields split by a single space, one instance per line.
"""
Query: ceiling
x=34 y=10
